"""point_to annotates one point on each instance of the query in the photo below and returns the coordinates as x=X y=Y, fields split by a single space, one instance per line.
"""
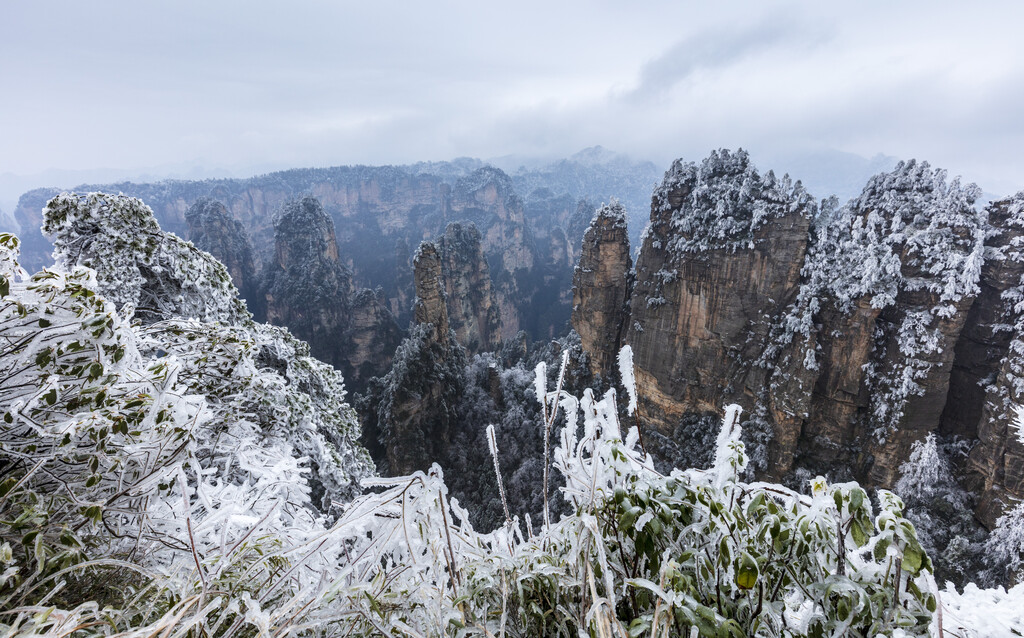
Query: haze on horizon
x=237 y=88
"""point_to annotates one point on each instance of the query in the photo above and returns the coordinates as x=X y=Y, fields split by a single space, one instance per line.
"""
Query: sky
x=240 y=87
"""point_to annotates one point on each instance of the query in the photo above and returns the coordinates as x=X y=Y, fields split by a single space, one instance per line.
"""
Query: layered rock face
x=211 y=228
x=431 y=307
x=990 y=363
x=379 y=213
x=307 y=288
x=887 y=286
x=918 y=244
x=720 y=262
x=472 y=309
x=601 y=288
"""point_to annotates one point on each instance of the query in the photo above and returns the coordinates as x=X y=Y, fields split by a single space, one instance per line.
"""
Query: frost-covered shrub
x=156 y=273
x=942 y=512
x=158 y=475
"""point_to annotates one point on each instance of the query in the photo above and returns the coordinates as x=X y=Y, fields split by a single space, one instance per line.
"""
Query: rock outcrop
x=837 y=339
x=601 y=288
x=309 y=290
x=211 y=228
x=989 y=369
x=472 y=309
x=719 y=264
x=431 y=307
x=409 y=414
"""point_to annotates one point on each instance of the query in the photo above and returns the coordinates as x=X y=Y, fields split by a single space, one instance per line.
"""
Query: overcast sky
x=251 y=85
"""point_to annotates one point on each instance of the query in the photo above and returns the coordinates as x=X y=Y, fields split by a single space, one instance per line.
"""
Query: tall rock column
x=601 y=287
x=212 y=228
x=472 y=309
x=307 y=289
x=720 y=262
x=430 y=308
x=409 y=414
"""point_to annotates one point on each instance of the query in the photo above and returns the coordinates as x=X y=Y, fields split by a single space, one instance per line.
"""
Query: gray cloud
x=714 y=49
x=254 y=85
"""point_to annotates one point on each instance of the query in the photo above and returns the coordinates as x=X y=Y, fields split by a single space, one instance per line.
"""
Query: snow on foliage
x=144 y=491
x=1005 y=397
x=145 y=497
x=911 y=230
x=723 y=201
x=613 y=211
x=1004 y=547
x=138 y=265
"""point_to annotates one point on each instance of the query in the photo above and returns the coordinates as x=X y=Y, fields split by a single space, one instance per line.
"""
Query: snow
x=626 y=374
x=980 y=613
x=725 y=201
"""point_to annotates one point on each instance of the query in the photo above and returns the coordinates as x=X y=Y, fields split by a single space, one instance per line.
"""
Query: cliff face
x=990 y=368
x=379 y=213
x=838 y=339
x=887 y=285
x=307 y=289
x=720 y=262
x=472 y=309
x=211 y=228
x=601 y=288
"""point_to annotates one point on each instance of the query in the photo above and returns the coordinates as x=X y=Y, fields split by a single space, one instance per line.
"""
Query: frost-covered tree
x=941 y=511
x=1005 y=546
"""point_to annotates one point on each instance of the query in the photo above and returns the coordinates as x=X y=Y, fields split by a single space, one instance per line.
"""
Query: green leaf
x=856 y=498
x=44 y=323
x=860 y=537
x=881 y=548
x=746 y=572
x=627 y=518
x=913 y=557
x=93 y=513
x=5 y=286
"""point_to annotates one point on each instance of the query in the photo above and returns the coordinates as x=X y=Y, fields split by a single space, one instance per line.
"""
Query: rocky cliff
x=601 y=287
x=989 y=368
x=409 y=414
x=472 y=309
x=307 y=288
x=211 y=228
x=848 y=333
x=719 y=264
x=379 y=214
